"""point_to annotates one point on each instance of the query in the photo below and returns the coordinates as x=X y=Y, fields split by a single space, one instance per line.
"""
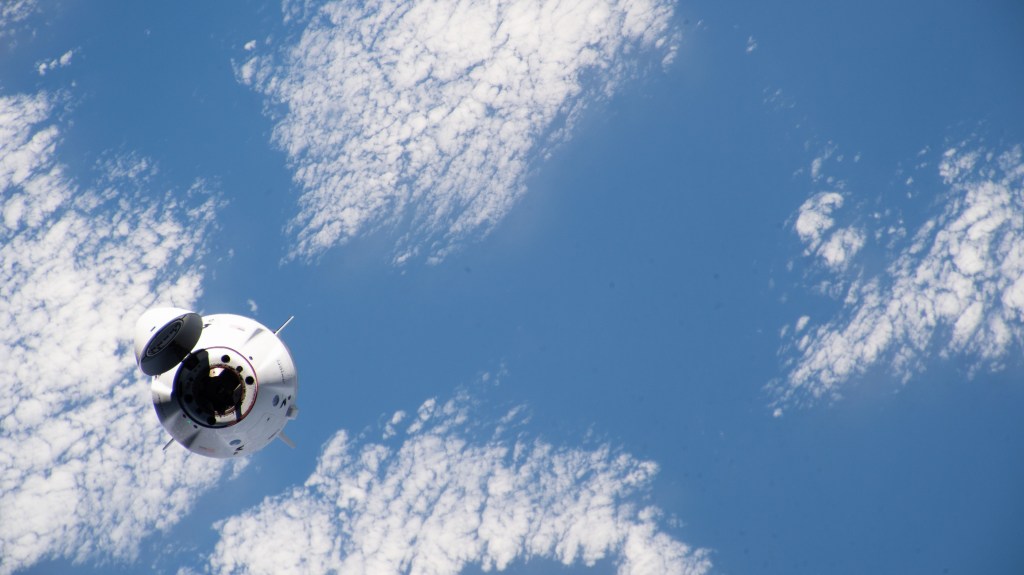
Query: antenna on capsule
x=287 y=440
x=284 y=325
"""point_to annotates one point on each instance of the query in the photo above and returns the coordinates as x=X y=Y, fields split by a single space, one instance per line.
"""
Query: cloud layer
x=82 y=474
x=450 y=491
x=957 y=288
x=12 y=13
x=428 y=114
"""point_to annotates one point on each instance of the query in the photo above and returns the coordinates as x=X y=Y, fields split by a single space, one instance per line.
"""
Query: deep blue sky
x=635 y=294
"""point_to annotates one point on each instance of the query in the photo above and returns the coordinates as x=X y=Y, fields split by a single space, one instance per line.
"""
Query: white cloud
x=455 y=492
x=63 y=62
x=841 y=246
x=814 y=225
x=801 y=323
x=12 y=12
x=815 y=217
x=816 y=164
x=751 y=44
x=429 y=114
x=958 y=288
x=82 y=473
x=827 y=154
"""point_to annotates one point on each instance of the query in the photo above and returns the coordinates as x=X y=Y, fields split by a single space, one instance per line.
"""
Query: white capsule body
x=233 y=392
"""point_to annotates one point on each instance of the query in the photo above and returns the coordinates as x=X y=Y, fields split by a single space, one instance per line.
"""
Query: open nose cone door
x=164 y=337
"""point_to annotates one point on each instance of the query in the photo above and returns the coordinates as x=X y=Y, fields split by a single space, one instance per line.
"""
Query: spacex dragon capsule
x=223 y=385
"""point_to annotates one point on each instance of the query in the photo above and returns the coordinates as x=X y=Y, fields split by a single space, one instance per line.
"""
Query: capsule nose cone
x=164 y=336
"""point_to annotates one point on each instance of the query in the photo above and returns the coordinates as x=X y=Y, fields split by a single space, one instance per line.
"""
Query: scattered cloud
x=776 y=99
x=815 y=217
x=451 y=491
x=13 y=12
x=82 y=473
x=430 y=114
x=956 y=288
x=63 y=62
x=828 y=156
x=751 y=44
x=841 y=246
x=814 y=224
x=801 y=323
x=252 y=305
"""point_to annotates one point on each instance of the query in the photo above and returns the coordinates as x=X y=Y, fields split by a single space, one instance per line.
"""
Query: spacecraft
x=223 y=385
